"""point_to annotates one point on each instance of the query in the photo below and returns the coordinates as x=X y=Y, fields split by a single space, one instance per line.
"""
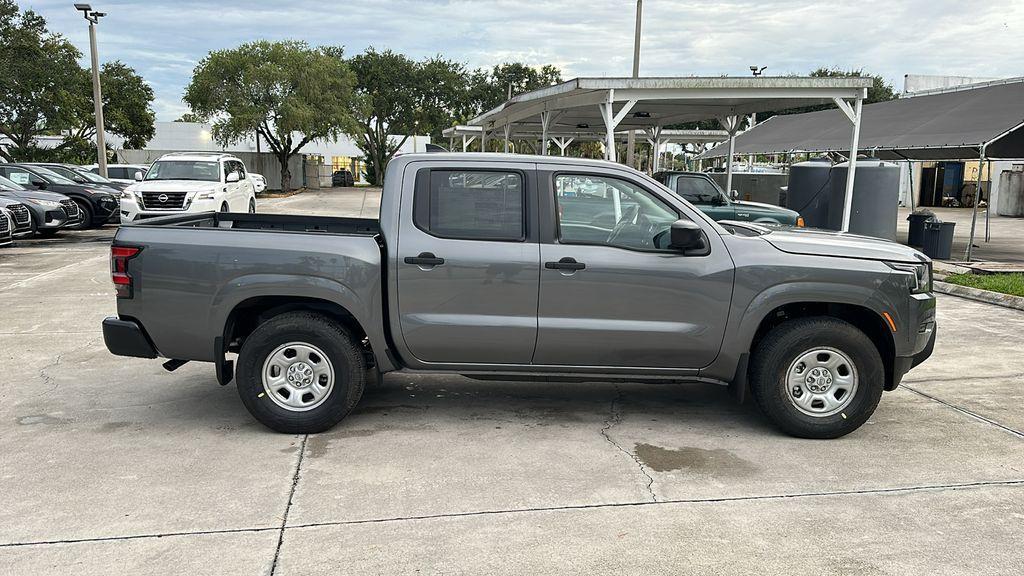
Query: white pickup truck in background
x=190 y=182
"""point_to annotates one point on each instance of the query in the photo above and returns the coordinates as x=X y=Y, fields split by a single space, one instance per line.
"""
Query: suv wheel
x=252 y=206
x=300 y=373
x=224 y=207
x=817 y=377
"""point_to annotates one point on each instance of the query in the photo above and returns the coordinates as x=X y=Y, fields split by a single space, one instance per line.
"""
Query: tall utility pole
x=631 y=137
x=97 y=94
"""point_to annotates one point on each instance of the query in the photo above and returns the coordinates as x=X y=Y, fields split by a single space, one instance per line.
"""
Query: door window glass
x=698 y=190
x=472 y=205
x=612 y=212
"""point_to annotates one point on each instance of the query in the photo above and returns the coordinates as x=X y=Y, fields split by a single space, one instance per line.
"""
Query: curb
x=986 y=296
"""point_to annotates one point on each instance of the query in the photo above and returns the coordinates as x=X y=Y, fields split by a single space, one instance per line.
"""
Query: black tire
x=47 y=232
x=252 y=205
x=86 y=222
x=307 y=327
x=224 y=207
x=784 y=344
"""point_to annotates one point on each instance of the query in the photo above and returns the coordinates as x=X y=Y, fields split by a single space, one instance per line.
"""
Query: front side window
x=611 y=212
x=472 y=205
x=698 y=190
x=184 y=170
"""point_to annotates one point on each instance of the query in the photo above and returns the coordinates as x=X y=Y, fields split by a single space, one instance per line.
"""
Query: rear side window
x=470 y=204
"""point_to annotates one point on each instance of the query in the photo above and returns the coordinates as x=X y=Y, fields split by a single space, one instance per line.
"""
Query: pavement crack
x=1017 y=483
x=288 y=507
x=965 y=411
x=613 y=420
x=49 y=381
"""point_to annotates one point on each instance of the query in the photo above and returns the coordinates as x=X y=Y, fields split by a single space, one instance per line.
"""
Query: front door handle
x=424 y=259
x=566 y=263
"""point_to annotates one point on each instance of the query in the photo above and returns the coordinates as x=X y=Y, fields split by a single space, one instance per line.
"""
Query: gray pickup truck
x=506 y=267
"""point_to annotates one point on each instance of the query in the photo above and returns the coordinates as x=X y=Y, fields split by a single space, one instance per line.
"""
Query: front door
x=468 y=264
x=613 y=295
x=703 y=193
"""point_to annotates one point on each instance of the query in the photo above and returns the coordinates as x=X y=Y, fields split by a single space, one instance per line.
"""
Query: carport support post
x=483 y=140
x=508 y=133
x=611 y=120
x=731 y=125
x=854 y=115
x=545 y=118
x=977 y=199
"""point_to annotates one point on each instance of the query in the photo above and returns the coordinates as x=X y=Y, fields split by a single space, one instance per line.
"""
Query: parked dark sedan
x=81 y=175
x=342 y=178
x=97 y=204
x=49 y=211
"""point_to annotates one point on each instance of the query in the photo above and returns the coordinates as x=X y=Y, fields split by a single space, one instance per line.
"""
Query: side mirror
x=233 y=177
x=38 y=183
x=685 y=235
x=138 y=175
x=735 y=195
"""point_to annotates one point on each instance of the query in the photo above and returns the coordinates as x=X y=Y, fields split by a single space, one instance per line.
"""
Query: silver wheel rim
x=821 y=382
x=298 y=376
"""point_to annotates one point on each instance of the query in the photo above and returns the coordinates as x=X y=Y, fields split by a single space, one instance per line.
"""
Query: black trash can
x=937 y=242
x=917 y=218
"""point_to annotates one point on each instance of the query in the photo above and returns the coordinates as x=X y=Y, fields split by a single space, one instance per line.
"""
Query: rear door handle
x=566 y=263
x=424 y=259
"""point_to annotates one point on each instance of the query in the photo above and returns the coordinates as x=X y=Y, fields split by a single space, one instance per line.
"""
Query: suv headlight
x=44 y=203
x=921 y=273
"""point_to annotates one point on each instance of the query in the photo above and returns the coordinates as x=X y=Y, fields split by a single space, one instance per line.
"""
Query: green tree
x=127 y=110
x=397 y=96
x=38 y=73
x=490 y=88
x=288 y=93
x=189 y=117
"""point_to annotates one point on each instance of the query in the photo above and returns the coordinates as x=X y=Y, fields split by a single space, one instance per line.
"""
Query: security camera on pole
x=97 y=95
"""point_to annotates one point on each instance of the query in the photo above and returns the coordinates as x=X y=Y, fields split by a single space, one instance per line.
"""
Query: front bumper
x=127 y=338
x=130 y=211
x=921 y=342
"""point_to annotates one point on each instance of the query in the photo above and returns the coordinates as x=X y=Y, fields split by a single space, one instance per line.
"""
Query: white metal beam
x=732 y=126
x=851 y=172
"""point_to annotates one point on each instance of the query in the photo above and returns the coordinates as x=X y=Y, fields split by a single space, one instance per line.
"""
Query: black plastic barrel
x=917 y=220
x=938 y=239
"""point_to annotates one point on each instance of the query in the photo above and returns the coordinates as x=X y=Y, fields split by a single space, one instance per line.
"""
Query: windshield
x=52 y=176
x=699 y=190
x=6 y=184
x=184 y=170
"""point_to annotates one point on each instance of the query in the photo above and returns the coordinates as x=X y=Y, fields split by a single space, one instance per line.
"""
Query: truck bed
x=282 y=222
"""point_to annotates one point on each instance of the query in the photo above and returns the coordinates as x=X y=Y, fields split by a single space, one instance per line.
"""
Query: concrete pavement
x=110 y=464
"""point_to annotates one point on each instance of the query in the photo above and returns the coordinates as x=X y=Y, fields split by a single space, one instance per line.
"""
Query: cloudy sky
x=164 y=39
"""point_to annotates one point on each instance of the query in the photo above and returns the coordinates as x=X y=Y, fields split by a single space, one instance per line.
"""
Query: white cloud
x=163 y=40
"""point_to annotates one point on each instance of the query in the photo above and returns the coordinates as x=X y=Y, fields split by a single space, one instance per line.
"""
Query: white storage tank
x=809 y=191
x=1010 y=201
x=876 y=197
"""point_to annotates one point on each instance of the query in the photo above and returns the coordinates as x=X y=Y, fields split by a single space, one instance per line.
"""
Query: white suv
x=190 y=182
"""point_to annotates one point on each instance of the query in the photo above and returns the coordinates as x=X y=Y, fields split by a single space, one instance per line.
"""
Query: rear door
x=611 y=294
x=468 y=262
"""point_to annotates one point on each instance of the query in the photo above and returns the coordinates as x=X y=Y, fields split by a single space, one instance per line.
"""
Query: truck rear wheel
x=817 y=377
x=300 y=373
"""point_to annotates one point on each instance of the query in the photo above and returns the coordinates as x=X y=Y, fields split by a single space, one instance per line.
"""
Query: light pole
x=97 y=94
x=631 y=135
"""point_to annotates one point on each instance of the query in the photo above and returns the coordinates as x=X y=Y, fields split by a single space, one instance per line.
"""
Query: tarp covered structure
x=950 y=124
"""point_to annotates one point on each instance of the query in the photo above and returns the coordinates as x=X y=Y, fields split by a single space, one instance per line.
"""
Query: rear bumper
x=127 y=338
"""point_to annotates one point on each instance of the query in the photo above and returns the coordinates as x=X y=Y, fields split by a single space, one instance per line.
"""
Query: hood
x=771 y=208
x=817 y=242
x=174 y=186
x=5 y=201
x=33 y=195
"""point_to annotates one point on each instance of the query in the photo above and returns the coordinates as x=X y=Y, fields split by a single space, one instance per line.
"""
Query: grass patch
x=1003 y=283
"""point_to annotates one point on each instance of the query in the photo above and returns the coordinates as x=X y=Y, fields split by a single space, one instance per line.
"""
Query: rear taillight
x=119 y=257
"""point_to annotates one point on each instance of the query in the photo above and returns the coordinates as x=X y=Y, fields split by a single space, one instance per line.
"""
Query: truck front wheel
x=817 y=377
x=300 y=373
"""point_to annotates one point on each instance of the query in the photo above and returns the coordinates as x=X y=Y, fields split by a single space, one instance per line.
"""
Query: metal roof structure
x=947 y=124
x=650 y=104
x=563 y=137
x=983 y=121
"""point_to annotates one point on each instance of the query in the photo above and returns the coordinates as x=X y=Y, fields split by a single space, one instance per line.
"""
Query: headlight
x=45 y=203
x=206 y=195
x=921 y=274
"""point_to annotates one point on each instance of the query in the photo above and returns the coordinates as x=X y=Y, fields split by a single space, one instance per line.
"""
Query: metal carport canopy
x=950 y=124
x=650 y=104
x=982 y=121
